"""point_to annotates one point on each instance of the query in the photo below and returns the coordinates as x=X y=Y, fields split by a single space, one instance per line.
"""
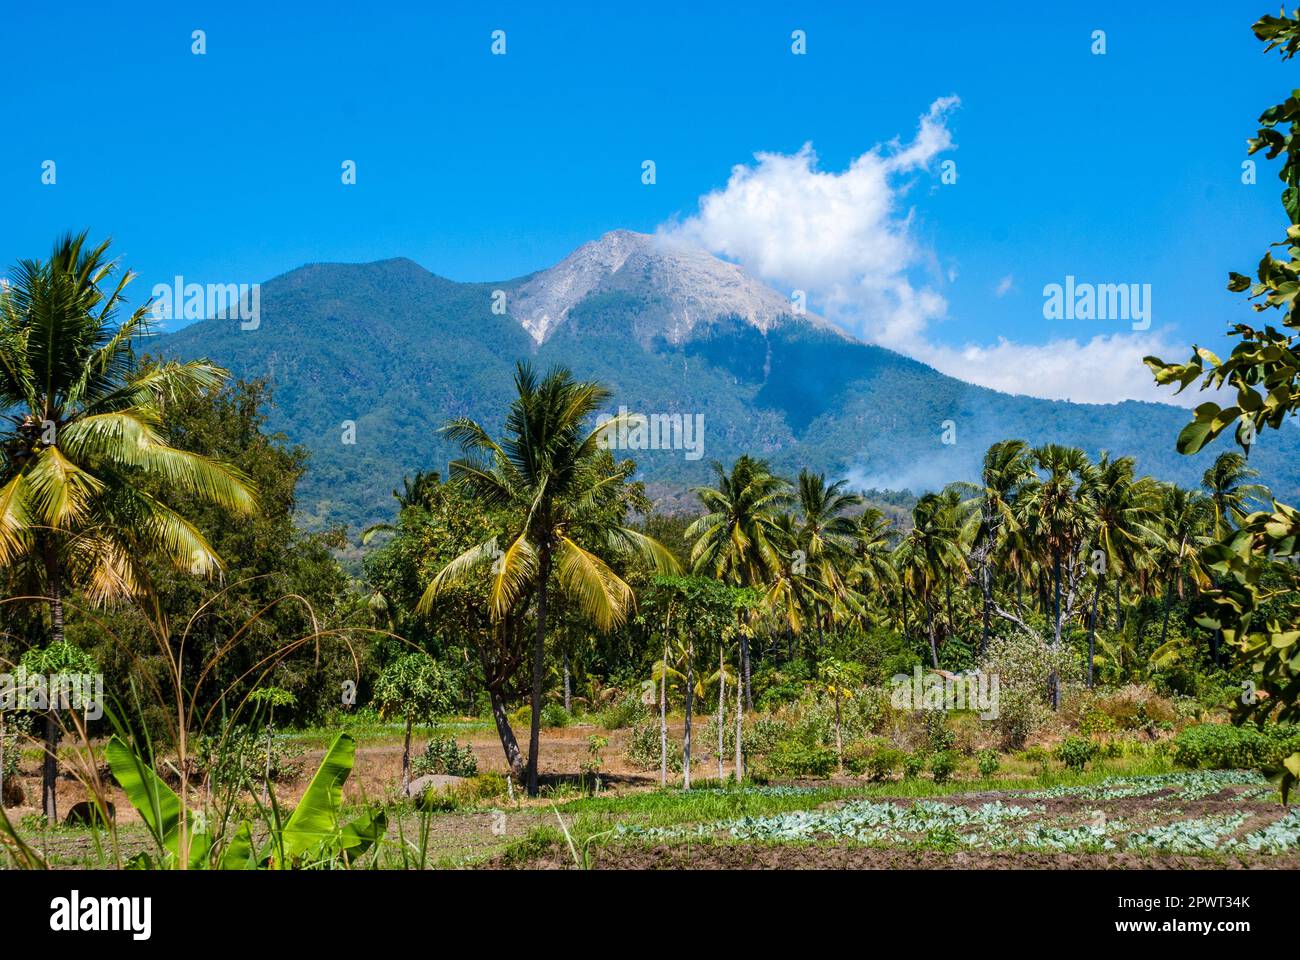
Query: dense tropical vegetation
x=784 y=628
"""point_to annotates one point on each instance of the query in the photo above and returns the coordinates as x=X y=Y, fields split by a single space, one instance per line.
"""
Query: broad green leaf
x=239 y=854
x=157 y=803
x=315 y=819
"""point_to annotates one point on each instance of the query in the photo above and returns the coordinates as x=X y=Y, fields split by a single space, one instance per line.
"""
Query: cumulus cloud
x=847 y=238
x=839 y=235
x=1104 y=369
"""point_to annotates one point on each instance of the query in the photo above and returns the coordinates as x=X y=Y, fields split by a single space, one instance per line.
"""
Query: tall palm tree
x=1125 y=526
x=1226 y=482
x=793 y=591
x=1055 y=514
x=825 y=536
x=568 y=500
x=873 y=571
x=86 y=473
x=929 y=554
x=1186 y=518
x=737 y=540
x=1006 y=467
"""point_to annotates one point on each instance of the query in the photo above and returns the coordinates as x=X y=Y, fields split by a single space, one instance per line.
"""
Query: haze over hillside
x=398 y=350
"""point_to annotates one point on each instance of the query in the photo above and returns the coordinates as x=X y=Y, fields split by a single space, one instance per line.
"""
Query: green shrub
x=988 y=763
x=1035 y=754
x=1076 y=752
x=1224 y=747
x=644 y=747
x=913 y=764
x=626 y=711
x=883 y=762
x=942 y=765
x=554 y=715
x=937 y=735
x=444 y=755
x=794 y=758
x=238 y=758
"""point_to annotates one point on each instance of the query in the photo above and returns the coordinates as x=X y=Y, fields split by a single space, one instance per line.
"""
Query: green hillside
x=397 y=350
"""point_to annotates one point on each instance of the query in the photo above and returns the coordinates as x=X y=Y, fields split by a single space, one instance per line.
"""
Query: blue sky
x=225 y=167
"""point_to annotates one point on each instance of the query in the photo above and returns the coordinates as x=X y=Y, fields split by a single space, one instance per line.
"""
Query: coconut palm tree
x=825 y=538
x=569 y=500
x=737 y=541
x=1186 y=519
x=929 y=554
x=873 y=572
x=1226 y=482
x=1056 y=517
x=1006 y=467
x=1125 y=518
x=86 y=473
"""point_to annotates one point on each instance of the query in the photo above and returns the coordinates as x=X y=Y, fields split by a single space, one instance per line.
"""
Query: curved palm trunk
x=539 y=665
x=506 y=733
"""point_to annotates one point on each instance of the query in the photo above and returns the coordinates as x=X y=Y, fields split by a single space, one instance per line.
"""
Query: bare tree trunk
x=740 y=715
x=722 y=705
x=932 y=629
x=744 y=655
x=1092 y=630
x=986 y=591
x=539 y=666
x=406 y=759
x=690 y=697
x=1164 y=625
x=2 y=760
x=1054 y=681
x=839 y=739
x=266 y=777
x=568 y=693
x=50 y=763
x=508 y=742
x=663 y=717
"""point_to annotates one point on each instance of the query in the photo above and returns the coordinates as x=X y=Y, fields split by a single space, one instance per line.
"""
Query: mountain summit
x=367 y=361
x=681 y=287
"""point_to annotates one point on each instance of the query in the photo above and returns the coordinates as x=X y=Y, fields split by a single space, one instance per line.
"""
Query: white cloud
x=1104 y=369
x=847 y=239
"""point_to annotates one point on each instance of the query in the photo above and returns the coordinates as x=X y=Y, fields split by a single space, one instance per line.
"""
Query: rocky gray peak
x=680 y=286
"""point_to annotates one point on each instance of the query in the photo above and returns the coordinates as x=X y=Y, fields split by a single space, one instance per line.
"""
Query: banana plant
x=312 y=835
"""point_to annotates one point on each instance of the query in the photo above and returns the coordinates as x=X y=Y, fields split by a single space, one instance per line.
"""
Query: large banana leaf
x=316 y=818
x=158 y=804
x=363 y=833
